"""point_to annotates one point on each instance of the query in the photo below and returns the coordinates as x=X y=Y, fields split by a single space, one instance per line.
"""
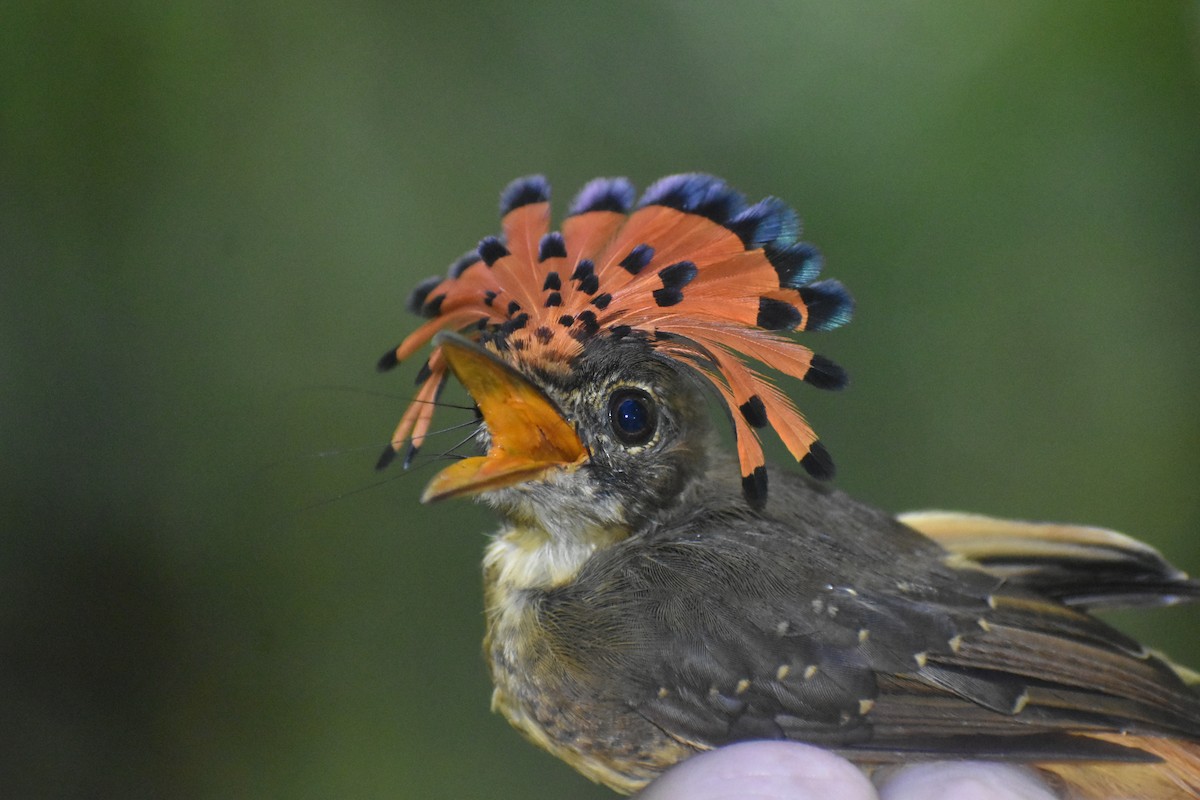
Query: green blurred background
x=210 y=216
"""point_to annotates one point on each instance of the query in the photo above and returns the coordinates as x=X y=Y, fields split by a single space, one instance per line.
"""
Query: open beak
x=529 y=436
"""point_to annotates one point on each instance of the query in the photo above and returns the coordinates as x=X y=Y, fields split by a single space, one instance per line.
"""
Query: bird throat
x=524 y=556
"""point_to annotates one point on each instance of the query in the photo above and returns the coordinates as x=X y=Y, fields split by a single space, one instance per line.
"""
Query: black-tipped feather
x=754 y=487
x=385 y=458
x=420 y=293
x=387 y=361
x=818 y=463
x=754 y=412
x=824 y=374
x=776 y=315
x=433 y=306
x=422 y=374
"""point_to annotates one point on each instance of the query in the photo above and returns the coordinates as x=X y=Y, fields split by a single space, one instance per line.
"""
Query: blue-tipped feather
x=678 y=275
x=637 y=259
x=583 y=270
x=674 y=278
x=491 y=250
x=829 y=305
x=696 y=193
x=523 y=191
x=604 y=194
x=797 y=264
x=552 y=245
x=769 y=221
x=465 y=260
x=589 y=284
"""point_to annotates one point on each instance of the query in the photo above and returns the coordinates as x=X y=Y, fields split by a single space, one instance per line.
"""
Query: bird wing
x=733 y=628
x=1078 y=565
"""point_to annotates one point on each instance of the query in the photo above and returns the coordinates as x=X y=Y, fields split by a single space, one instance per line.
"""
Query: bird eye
x=632 y=415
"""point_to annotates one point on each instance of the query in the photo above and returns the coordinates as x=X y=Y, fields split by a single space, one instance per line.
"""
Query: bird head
x=615 y=438
x=590 y=351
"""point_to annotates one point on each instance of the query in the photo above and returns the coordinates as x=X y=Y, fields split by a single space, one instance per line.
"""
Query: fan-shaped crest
x=715 y=281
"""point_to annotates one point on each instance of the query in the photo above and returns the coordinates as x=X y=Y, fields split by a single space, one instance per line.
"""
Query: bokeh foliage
x=210 y=215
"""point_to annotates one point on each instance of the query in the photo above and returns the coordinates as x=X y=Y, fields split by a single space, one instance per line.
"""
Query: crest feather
x=712 y=278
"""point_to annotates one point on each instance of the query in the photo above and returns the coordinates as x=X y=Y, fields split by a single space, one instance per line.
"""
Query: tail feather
x=1083 y=567
x=1176 y=777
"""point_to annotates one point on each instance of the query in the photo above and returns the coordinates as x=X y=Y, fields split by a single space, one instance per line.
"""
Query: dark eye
x=632 y=415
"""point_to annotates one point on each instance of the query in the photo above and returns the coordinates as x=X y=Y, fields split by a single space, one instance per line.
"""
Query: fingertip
x=964 y=780
x=763 y=771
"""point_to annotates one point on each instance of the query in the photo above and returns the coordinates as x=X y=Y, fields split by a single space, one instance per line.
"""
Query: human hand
x=793 y=771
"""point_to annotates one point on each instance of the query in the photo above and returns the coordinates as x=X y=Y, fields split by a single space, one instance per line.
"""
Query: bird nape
x=650 y=596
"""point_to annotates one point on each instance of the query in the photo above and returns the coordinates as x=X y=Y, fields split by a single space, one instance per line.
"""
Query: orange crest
x=711 y=278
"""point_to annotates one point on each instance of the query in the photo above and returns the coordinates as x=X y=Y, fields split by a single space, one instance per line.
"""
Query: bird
x=650 y=595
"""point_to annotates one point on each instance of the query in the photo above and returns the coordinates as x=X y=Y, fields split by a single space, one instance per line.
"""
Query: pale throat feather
x=523 y=556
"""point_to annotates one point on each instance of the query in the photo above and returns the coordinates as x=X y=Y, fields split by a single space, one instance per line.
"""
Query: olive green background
x=210 y=216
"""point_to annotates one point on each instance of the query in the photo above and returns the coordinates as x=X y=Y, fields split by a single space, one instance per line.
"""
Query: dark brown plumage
x=649 y=598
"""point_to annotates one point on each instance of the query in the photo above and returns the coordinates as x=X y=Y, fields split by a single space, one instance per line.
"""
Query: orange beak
x=529 y=436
